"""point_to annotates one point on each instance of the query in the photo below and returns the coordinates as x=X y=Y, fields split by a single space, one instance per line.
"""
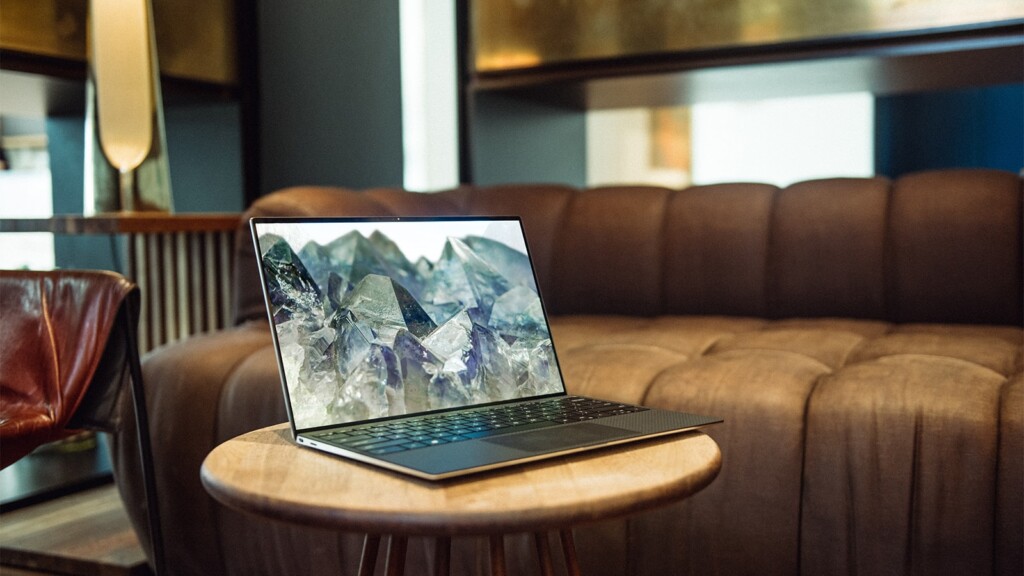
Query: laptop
x=421 y=345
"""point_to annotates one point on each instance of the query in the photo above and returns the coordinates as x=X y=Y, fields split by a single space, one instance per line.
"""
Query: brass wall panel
x=515 y=34
x=53 y=28
x=195 y=38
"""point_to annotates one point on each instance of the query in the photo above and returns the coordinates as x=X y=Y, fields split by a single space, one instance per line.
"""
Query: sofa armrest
x=199 y=392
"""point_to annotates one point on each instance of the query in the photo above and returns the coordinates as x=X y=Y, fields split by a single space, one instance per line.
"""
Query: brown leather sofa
x=862 y=339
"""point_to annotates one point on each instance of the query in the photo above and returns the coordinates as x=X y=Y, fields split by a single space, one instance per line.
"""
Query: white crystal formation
x=365 y=333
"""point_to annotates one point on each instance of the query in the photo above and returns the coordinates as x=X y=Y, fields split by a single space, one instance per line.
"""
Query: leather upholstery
x=53 y=341
x=862 y=339
x=931 y=247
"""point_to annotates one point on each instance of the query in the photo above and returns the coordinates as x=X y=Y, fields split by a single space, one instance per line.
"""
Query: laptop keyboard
x=388 y=437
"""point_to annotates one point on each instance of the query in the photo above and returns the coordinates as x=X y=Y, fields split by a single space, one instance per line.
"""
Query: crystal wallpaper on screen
x=386 y=318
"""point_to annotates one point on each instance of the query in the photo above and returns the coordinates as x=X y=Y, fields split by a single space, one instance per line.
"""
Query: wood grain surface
x=265 y=473
x=83 y=533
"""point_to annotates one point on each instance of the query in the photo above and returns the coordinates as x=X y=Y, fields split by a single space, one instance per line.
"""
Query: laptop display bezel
x=254 y=222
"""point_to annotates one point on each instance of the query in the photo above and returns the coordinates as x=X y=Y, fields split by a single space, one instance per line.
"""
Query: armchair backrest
x=68 y=355
x=60 y=332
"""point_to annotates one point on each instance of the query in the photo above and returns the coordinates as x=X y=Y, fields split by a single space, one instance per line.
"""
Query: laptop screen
x=375 y=318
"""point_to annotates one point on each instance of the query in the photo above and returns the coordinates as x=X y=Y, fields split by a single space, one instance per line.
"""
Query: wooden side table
x=265 y=473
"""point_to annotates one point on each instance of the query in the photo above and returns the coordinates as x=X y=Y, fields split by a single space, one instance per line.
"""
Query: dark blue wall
x=203 y=154
x=205 y=157
x=66 y=144
x=967 y=128
x=519 y=140
x=330 y=94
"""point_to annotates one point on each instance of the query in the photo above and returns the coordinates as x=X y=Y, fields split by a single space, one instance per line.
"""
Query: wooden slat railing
x=181 y=262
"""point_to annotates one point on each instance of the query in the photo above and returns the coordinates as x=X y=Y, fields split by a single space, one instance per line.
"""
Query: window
x=429 y=101
x=25 y=192
x=778 y=141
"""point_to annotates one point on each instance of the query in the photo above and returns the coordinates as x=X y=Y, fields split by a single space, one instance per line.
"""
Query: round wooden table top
x=265 y=473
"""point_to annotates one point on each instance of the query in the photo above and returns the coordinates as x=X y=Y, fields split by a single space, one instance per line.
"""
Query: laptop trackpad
x=562 y=437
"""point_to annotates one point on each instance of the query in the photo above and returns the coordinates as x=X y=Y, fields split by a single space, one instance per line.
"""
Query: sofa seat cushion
x=900 y=451
x=806 y=403
x=993 y=347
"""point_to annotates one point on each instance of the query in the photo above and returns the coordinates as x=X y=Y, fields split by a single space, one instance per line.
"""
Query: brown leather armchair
x=68 y=353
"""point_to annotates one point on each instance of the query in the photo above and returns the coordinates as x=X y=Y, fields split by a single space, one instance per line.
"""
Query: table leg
x=498 y=555
x=368 y=559
x=396 y=555
x=547 y=567
x=572 y=565
x=442 y=556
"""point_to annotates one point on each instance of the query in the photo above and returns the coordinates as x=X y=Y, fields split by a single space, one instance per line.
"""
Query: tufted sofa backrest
x=941 y=246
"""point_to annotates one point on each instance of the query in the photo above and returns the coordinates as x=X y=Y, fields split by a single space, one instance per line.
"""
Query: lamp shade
x=124 y=80
x=126 y=163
